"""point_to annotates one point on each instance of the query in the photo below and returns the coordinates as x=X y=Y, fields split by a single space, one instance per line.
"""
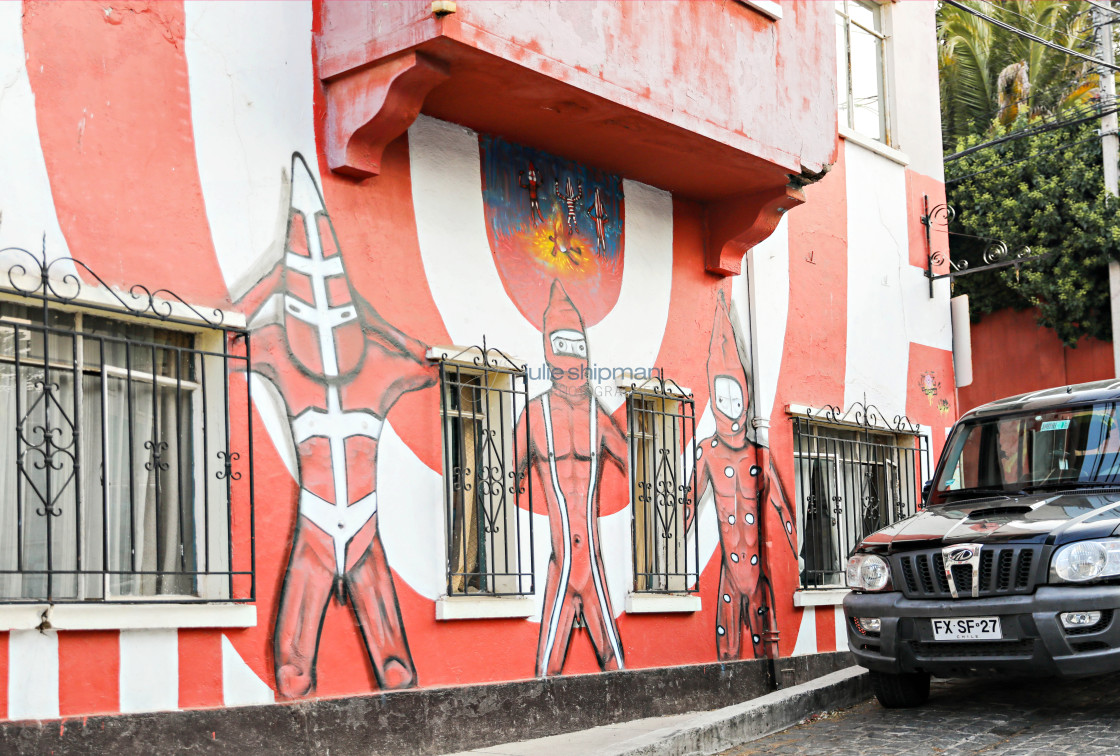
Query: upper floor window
x=661 y=420
x=860 y=69
x=853 y=477
x=489 y=538
x=118 y=457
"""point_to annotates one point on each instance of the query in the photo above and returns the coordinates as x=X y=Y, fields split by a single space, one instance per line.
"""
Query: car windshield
x=1064 y=448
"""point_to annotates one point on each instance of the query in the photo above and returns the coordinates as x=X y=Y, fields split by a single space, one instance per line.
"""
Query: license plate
x=967 y=628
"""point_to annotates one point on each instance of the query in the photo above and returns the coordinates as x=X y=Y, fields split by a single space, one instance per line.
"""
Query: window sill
x=159 y=616
x=482 y=607
x=820 y=597
x=661 y=603
x=873 y=145
x=769 y=8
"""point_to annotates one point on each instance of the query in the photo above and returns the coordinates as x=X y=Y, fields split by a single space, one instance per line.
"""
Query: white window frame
x=458 y=606
x=163 y=611
x=676 y=597
x=846 y=117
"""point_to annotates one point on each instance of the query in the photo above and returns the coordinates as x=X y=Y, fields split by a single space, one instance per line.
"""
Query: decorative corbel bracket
x=738 y=223
x=369 y=107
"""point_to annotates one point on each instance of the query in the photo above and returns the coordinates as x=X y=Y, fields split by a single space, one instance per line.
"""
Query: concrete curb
x=715 y=731
x=706 y=732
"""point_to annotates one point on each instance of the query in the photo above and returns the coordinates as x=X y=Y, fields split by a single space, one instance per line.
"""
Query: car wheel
x=900 y=691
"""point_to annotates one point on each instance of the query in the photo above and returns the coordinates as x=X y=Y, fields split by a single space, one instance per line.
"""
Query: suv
x=1013 y=564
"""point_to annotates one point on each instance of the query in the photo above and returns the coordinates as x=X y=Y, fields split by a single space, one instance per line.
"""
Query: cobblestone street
x=997 y=716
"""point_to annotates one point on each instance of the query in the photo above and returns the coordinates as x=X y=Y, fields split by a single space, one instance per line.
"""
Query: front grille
x=1005 y=570
x=966 y=649
x=1084 y=646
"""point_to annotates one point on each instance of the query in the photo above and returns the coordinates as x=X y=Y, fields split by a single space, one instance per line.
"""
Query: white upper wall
x=913 y=86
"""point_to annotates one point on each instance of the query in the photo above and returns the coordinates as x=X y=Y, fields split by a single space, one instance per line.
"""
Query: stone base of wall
x=424 y=721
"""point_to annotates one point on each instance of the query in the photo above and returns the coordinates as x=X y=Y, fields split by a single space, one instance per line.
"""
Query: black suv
x=1013 y=565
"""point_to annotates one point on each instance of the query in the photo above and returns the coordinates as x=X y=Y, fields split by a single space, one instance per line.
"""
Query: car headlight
x=868 y=572
x=1086 y=560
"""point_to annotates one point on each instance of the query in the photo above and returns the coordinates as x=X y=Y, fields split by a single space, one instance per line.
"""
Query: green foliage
x=1051 y=201
x=1044 y=192
x=978 y=62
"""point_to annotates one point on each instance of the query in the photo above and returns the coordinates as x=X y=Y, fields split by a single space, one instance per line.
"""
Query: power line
x=1033 y=131
x=1032 y=37
x=1062 y=146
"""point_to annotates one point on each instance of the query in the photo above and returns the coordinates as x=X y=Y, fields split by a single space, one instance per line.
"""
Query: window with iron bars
x=488 y=507
x=660 y=423
x=854 y=475
x=118 y=462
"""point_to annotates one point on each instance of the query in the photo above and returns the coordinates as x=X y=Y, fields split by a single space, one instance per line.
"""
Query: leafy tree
x=1044 y=192
x=990 y=75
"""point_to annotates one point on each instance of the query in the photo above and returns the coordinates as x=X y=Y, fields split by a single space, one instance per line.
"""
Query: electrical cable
x=1062 y=146
x=1033 y=131
x=1033 y=37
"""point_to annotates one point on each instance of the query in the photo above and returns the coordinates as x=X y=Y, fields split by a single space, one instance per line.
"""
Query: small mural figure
x=531 y=181
x=741 y=478
x=572 y=438
x=943 y=407
x=599 y=216
x=570 y=198
x=339 y=368
x=929 y=385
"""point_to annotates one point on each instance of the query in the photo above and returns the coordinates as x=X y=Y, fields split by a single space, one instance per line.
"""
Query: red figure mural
x=570 y=199
x=532 y=186
x=350 y=367
x=572 y=438
x=740 y=476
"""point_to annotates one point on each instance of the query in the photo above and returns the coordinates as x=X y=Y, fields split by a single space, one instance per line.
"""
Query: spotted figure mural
x=571 y=439
x=737 y=471
x=339 y=367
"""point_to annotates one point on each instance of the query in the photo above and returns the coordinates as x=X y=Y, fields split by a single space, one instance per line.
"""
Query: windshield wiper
x=1055 y=484
x=995 y=490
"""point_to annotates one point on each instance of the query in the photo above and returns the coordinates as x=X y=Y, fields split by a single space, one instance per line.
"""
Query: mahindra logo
x=960 y=555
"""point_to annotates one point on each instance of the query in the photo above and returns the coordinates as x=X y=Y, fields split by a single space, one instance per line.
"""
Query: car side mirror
x=925 y=490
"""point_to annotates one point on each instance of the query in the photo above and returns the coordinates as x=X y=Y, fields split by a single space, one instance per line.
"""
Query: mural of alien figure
x=570 y=199
x=572 y=438
x=741 y=479
x=338 y=367
x=533 y=187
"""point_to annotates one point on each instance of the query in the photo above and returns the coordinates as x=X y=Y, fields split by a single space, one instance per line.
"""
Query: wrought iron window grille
x=125 y=475
x=856 y=472
x=661 y=424
x=996 y=255
x=488 y=501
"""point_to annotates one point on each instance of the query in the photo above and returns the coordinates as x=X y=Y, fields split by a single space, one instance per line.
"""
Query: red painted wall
x=1012 y=354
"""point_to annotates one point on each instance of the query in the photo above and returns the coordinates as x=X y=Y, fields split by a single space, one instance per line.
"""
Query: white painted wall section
x=806 y=633
x=240 y=684
x=841 y=621
x=32 y=674
x=760 y=299
x=251 y=86
x=878 y=335
x=149 y=674
x=26 y=204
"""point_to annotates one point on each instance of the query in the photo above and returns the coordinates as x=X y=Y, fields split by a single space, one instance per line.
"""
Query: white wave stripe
x=252 y=89
x=27 y=213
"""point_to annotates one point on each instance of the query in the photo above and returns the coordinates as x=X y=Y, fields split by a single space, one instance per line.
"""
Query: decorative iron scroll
x=64 y=286
x=659 y=386
x=996 y=254
x=866 y=416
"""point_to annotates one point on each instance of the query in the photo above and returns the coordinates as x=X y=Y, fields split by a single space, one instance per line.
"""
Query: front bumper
x=1034 y=641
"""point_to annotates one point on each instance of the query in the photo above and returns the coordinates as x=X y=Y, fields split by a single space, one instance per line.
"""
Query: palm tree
x=990 y=75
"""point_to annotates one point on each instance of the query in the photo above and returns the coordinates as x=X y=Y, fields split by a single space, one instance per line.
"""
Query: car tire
x=900 y=691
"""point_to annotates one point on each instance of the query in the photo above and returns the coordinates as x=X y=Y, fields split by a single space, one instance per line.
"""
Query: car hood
x=1053 y=518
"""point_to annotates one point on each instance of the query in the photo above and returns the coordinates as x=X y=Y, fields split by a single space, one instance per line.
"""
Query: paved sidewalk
x=704 y=732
